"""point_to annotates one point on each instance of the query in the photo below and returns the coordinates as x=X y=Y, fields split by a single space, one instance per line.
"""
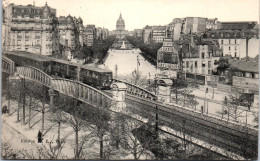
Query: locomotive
x=96 y=77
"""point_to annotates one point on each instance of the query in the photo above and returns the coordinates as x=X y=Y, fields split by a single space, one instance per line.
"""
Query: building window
x=221 y=41
x=256 y=75
x=202 y=55
x=229 y=41
x=209 y=64
x=187 y=64
x=235 y=54
x=215 y=62
x=203 y=65
x=196 y=64
x=235 y=41
x=229 y=48
x=248 y=75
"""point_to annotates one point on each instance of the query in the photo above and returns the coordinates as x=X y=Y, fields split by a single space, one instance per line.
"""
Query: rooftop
x=245 y=65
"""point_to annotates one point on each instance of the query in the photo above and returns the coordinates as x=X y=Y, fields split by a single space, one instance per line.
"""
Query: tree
x=7 y=151
x=232 y=102
x=74 y=117
x=148 y=51
x=32 y=103
x=14 y=95
x=41 y=96
x=133 y=145
x=223 y=65
x=100 y=119
x=177 y=85
x=57 y=114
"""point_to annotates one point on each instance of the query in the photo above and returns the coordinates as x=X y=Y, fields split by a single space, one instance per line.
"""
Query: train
x=96 y=77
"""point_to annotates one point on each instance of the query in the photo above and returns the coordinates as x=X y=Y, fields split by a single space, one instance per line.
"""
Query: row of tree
x=97 y=51
x=34 y=99
x=116 y=133
x=149 y=51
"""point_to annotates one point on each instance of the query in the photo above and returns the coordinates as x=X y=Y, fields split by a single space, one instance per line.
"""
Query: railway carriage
x=99 y=78
x=96 y=77
x=28 y=59
x=64 y=69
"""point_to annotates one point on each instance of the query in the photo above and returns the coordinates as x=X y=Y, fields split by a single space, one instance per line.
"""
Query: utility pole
x=116 y=71
x=24 y=92
x=156 y=118
x=137 y=69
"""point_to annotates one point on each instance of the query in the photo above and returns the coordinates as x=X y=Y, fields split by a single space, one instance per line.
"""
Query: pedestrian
x=39 y=137
x=201 y=109
x=4 y=110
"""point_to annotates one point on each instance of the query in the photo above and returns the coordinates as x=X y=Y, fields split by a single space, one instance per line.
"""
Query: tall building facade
x=69 y=31
x=158 y=34
x=89 y=35
x=168 y=55
x=183 y=26
x=233 y=42
x=147 y=34
x=120 y=28
x=30 y=28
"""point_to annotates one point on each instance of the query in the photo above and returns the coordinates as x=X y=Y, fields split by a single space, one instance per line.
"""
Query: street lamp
x=206 y=91
x=149 y=77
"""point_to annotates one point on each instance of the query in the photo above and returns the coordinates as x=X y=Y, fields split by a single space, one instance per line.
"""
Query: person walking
x=4 y=109
x=39 y=136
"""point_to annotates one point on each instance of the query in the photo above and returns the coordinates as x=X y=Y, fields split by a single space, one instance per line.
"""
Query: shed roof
x=244 y=65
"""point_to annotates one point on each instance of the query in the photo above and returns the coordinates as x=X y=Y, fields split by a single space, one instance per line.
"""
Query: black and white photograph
x=130 y=79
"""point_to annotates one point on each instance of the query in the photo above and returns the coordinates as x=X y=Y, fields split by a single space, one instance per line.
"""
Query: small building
x=246 y=74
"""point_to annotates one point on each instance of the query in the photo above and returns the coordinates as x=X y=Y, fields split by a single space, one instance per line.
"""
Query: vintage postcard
x=130 y=79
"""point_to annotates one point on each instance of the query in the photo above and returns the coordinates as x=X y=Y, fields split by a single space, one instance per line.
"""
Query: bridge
x=235 y=139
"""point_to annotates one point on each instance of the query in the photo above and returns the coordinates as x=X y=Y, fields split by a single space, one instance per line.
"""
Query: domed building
x=120 y=28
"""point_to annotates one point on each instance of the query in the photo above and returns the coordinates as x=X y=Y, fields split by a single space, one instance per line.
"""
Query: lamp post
x=149 y=77
x=156 y=117
x=156 y=107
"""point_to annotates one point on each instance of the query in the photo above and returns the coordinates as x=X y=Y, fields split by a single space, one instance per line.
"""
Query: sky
x=139 y=13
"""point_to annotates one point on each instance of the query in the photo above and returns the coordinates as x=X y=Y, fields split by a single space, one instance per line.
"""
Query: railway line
x=242 y=141
x=227 y=135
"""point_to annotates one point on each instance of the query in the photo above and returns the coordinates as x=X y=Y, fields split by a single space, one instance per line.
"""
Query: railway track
x=242 y=141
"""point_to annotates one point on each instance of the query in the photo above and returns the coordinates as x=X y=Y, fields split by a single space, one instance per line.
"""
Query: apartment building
x=89 y=35
x=158 y=34
x=167 y=55
x=199 y=56
x=233 y=42
x=30 y=28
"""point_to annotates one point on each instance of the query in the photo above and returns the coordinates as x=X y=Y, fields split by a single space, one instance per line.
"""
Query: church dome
x=120 y=21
